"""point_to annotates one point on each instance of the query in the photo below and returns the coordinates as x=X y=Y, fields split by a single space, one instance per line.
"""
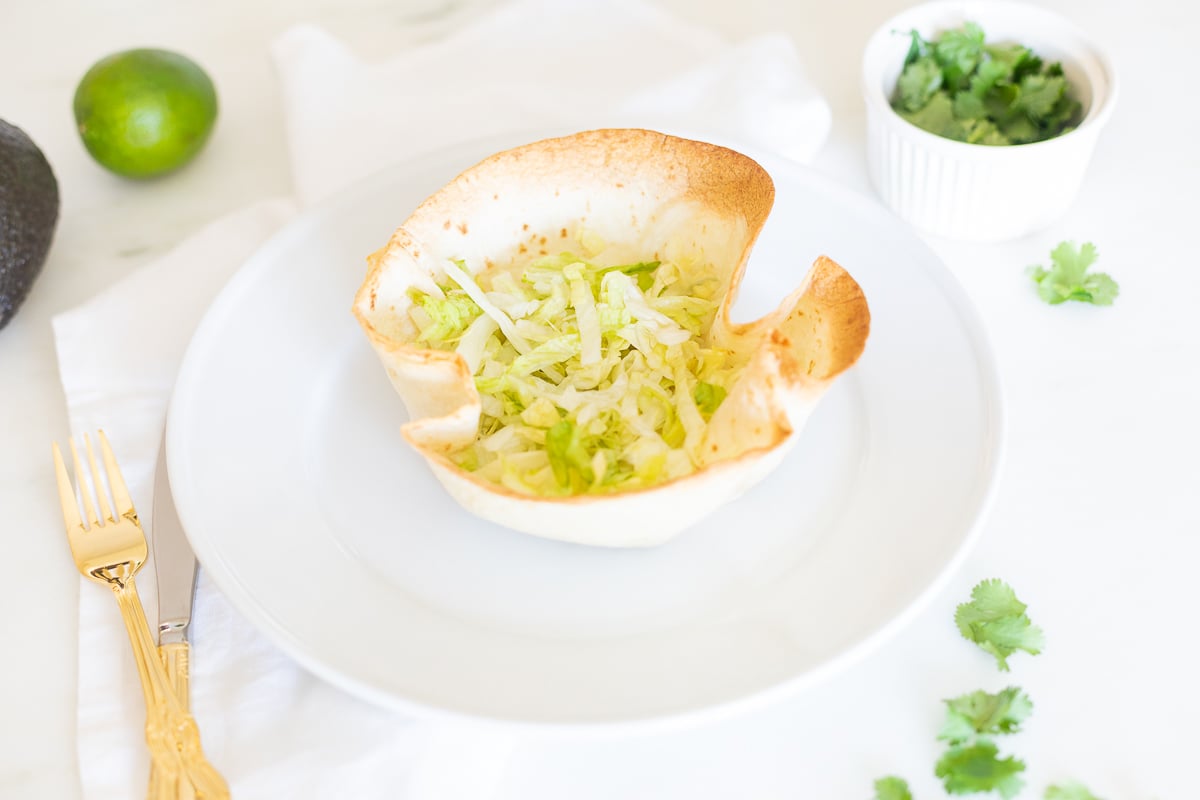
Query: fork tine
x=98 y=482
x=84 y=491
x=66 y=494
x=121 y=498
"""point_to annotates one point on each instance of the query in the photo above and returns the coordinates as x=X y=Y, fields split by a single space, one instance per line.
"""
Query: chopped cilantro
x=892 y=788
x=1068 y=278
x=1039 y=95
x=1015 y=59
x=996 y=621
x=918 y=83
x=982 y=714
x=1018 y=129
x=917 y=47
x=979 y=768
x=962 y=88
x=937 y=116
x=958 y=53
x=969 y=105
x=985 y=132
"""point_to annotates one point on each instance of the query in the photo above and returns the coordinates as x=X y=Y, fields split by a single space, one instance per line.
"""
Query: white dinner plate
x=330 y=534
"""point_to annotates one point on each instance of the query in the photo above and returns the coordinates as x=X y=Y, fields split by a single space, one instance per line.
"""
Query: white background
x=1096 y=521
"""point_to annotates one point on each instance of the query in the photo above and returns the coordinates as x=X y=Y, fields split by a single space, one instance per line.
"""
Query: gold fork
x=109 y=550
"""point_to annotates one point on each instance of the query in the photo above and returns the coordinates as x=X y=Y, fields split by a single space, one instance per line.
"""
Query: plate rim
x=995 y=435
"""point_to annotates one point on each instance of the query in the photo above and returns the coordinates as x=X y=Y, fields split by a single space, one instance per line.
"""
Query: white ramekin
x=978 y=192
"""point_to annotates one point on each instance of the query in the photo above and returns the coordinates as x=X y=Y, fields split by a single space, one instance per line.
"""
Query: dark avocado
x=28 y=214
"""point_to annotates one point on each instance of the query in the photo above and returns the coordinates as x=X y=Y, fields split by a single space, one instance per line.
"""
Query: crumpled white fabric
x=535 y=65
x=271 y=728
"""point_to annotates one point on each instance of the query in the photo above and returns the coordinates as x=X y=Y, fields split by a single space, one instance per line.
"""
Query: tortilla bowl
x=648 y=195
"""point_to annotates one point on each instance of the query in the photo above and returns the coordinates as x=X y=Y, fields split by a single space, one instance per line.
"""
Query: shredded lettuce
x=593 y=377
x=568 y=454
x=457 y=272
x=444 y=319
x=474 y=341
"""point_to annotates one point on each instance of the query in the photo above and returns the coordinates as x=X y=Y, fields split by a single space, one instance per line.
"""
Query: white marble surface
x=1095 y=522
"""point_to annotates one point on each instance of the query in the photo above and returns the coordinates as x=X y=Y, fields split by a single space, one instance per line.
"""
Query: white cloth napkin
x=272 y=729
x=536 y=64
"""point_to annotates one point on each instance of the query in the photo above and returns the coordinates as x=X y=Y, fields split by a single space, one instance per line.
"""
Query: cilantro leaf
x=1071 y=261
x=996 y=621
x=1000 y=100
x=990 y=73
x=968 y=105
x=978 y=768
x=917 y=47
x=1009 y=56
x=1064 y=116
x=1031 y=65
x=983 y=714
x=938 y=117
x=892 y=788
x=1100 y=290
x=1039 y=95
x=1069 y=791
x=918 y=83
x=1020 y=129
x=984 y=131
x=958 y=53
x=1068 y=278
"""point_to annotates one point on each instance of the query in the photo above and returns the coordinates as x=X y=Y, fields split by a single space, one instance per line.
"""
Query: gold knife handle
x=171 y=733
x=176 y=660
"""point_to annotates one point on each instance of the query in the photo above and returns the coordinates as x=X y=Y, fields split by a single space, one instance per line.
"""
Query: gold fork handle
x=166 y=766
x=176 y=658
x=171 y=733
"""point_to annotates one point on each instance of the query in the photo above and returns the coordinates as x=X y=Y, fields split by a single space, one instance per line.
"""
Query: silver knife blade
x=174 y=561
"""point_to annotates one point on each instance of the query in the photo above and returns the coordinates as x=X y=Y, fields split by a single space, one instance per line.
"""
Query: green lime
x=142 y=113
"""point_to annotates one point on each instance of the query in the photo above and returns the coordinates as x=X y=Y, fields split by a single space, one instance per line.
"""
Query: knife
x=175 y=568
x=175 y=571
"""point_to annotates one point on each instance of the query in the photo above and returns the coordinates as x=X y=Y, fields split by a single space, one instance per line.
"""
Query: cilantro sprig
x=981 y=714
x=1069 y=791
x=996 y=621
x=1068 y=277
x=960 y=87
x=979 y=768
x=892 y=788
x=973 y=763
